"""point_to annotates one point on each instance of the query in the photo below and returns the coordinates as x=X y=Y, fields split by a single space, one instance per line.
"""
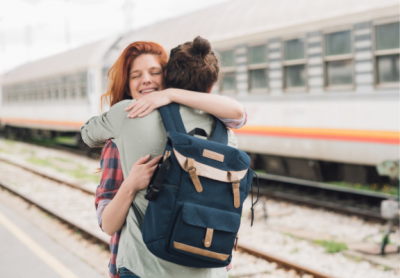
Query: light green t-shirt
x=136 y=138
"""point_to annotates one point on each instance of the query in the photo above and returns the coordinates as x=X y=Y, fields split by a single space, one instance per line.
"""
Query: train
x=319 y=80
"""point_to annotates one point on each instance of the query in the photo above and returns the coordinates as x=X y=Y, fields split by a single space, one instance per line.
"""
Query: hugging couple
x=134 y=138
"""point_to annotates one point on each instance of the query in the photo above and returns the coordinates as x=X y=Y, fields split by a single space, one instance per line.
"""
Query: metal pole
x=66 y=24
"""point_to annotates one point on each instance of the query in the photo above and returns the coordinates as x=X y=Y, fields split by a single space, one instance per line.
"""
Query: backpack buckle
x=151 y=193
x=192 y=168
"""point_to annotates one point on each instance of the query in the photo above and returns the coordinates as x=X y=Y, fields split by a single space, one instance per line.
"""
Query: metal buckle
x=151 y=193
x=191 y=168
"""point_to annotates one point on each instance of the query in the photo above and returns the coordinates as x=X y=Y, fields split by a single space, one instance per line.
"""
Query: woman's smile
x=146 y=76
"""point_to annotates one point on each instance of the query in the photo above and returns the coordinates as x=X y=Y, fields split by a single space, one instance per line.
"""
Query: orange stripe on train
x=373 y=136
x=385 y=137
x=42 y=122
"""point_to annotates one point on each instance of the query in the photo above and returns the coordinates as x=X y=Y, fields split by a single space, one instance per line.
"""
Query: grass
x=80 y=172
x=65 y=140
x=4 y=151
x=259 y=171
x=62 y=159
x=332 y=246
x=9 y=142
x=386 y=188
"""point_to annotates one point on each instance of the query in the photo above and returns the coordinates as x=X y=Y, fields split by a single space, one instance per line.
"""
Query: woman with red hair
x=139 y=74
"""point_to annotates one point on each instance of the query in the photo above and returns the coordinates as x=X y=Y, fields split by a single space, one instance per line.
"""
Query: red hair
x=118 y=87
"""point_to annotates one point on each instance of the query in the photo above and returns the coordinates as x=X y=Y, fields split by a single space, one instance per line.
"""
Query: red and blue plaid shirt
x=111 y=180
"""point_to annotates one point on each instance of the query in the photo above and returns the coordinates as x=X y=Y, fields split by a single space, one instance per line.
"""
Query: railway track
x=352 y=201
x=68 y=214
x=362 y=203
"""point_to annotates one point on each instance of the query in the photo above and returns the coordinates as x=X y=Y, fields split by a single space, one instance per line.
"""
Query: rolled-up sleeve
x=235 y=123
x=97 y=130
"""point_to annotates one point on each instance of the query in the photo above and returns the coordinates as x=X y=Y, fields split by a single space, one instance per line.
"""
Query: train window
x=83 y=91
x=388 y=68
x=339 y=72
x=338 y=43
x=227 y=59
x=258 y=79
x=387 y=36
x=257 y=65
x=294 y=64
x=387 y=49
x=228 y=83
x=294 y=49
x=258 y=54
x=338 y=59
x=295 y=76
x=73 y=93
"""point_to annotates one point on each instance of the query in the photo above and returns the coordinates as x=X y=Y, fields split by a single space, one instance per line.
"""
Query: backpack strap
x=220 y=133
x=172 y=118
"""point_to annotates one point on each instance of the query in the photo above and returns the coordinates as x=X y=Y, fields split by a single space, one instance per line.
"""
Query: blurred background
x=319 y=80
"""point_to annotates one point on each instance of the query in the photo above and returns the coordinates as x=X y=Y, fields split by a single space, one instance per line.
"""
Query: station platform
x=28 y=252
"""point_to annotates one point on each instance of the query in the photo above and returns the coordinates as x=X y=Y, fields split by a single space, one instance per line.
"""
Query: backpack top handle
x=173 y=122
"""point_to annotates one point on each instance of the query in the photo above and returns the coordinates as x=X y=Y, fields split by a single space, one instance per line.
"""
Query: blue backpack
x=195 y=196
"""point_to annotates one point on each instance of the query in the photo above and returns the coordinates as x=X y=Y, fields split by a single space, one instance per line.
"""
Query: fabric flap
x=209 y=171
x=207 y=217
x=189 y=146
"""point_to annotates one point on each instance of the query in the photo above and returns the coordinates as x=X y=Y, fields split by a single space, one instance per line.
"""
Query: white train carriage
x=319 y=80
x=55 y=94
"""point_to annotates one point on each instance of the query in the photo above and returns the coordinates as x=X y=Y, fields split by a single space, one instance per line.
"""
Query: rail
x=102 y=238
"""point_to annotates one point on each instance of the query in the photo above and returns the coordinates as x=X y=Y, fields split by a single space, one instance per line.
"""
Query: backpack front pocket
x=204 y=232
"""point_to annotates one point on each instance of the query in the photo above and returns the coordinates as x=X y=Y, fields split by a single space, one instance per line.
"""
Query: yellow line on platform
x=45 y=256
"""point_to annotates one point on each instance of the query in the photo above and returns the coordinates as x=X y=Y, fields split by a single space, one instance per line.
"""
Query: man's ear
x=209 y=90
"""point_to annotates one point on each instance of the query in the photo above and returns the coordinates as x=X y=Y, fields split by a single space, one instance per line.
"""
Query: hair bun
x=201 y=46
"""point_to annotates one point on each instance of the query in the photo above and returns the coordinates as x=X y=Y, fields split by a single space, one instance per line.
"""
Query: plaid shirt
x=111 y=180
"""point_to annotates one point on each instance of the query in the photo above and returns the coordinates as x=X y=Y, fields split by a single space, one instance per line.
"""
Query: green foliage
x=332 y=246
x=386 y=188
x=259 y=171
x=388 y=239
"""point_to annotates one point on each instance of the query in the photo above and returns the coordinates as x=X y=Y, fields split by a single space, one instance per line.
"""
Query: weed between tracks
x=332 y=246
x=383 y=188
x=66 y=166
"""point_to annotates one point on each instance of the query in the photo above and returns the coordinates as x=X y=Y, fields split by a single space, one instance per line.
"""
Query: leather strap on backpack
x=193 y=175
x=235 y=189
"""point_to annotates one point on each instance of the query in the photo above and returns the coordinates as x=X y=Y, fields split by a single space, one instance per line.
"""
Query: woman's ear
x=209 y=90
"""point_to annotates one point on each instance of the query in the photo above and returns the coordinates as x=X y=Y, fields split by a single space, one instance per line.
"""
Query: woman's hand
x=140 y=174
x=143 y=106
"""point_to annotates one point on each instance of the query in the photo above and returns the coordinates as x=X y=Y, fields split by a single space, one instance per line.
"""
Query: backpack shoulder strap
x=173 y=122
x=172 y=118
x=220 y=133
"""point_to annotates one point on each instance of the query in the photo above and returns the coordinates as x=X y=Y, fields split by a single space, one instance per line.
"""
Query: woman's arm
x=115 y=212
x=216 y=105
x=97 y=130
